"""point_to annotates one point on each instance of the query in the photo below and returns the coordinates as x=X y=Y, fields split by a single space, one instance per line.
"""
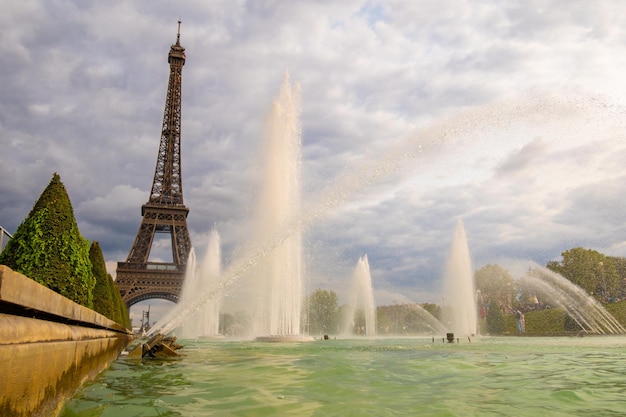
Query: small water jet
x=204 y=322
x=459 y=309
x=585 y=310
x=361 y=302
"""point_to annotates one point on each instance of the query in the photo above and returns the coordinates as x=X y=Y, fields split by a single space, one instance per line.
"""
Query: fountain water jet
x=585 y=310
x=542 y=110
x=460 y=313
x=362 y=300
x=205 y=320
x=277 y=278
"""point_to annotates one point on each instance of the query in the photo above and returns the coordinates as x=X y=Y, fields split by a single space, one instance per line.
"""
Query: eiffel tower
x=137 y=278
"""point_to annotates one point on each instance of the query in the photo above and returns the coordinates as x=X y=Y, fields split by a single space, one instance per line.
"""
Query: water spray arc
x=583 y=308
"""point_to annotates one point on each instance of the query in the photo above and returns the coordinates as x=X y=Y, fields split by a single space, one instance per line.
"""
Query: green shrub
x=106 y=297
x=495 y=320
x=618 y=310
x=550 y=322
x=49 y=248
x=102 y=296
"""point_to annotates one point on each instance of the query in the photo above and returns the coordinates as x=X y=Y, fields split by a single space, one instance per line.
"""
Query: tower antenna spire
x=178 y=34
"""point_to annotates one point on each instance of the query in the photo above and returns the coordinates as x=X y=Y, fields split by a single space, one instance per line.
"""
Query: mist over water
x=409 y=156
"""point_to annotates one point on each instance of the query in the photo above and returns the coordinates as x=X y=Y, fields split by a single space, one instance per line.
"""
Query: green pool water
x=514 y=376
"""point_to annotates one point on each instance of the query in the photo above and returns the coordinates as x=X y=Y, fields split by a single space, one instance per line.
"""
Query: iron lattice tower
x=137 y=278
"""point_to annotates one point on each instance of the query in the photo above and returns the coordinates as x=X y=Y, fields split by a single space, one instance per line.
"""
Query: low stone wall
x=49 y=346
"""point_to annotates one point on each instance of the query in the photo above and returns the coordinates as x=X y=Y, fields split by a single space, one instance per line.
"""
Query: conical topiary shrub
x=102 y=295
x=106 y=297
x=49 y=248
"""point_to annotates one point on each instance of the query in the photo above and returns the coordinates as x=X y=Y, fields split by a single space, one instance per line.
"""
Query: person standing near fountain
x=521 y=321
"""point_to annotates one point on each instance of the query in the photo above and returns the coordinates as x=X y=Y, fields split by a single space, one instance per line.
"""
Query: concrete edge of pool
x=49 y=346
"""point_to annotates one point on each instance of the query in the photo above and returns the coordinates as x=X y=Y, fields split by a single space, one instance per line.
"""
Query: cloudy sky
x=508 y=115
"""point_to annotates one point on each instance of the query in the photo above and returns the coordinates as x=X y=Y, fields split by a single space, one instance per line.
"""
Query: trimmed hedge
x=106 y=297
x=49 y=248
x=556 y=322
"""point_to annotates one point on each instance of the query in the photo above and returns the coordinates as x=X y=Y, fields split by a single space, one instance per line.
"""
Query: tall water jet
x=204 y=321
x=361 y=301
x=278 y=276
x=459 y=302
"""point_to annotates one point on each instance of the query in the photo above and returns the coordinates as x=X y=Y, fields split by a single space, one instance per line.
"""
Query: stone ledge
x=18 y=329
x=19 y=290
x=49 y=346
